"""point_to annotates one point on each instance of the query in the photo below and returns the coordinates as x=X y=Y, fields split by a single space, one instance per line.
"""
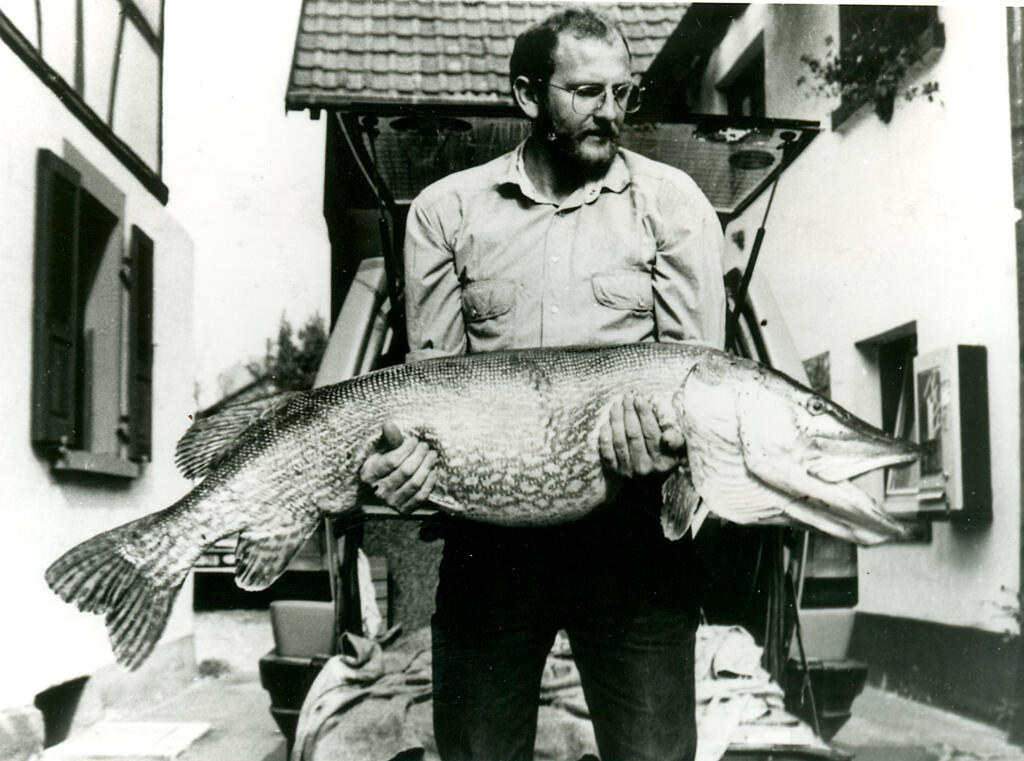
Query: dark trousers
x=624 y=595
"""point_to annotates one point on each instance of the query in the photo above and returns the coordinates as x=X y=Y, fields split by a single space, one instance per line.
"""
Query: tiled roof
x=435 y=51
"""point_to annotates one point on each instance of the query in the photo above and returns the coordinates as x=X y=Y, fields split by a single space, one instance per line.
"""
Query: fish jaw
x=808 y=447
x=839 y=508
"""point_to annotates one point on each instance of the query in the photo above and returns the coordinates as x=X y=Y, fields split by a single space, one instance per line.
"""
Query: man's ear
x=526 y=97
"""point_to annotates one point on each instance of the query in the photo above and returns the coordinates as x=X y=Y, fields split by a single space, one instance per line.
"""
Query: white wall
x=43 y=640
x=878 y=225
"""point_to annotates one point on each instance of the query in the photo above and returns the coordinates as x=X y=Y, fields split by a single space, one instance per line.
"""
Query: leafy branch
x=289 y=364
x=871 y=67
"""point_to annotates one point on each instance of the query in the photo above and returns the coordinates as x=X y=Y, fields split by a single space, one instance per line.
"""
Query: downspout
x=1015 y=46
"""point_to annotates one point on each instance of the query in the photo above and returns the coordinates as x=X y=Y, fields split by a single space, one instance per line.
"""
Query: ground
x=884 y=727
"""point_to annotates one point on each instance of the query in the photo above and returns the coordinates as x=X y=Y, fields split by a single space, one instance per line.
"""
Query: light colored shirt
x=491 y=263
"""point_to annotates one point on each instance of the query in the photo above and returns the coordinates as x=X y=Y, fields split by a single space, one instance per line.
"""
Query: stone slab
x=139 y=741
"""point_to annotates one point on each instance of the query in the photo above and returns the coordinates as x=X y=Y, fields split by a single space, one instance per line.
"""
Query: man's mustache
x=609 y=132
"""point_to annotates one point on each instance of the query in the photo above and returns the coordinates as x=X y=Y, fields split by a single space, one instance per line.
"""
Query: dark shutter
x=56 y=375
x=140 y=347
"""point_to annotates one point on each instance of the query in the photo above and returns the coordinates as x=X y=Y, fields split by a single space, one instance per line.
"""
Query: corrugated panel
x=442 y=51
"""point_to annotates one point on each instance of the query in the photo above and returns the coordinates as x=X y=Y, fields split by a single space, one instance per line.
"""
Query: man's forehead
x=574 y=52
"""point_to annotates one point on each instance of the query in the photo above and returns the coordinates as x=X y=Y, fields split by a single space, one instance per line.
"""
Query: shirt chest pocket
x=626 y=290
x=488 y=307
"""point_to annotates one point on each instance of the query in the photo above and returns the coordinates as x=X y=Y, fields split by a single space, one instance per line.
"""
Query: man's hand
x=404 y=475
x=639 y=438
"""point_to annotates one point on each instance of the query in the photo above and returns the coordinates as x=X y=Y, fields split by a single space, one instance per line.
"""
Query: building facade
x=889 y=245
x=98 y=367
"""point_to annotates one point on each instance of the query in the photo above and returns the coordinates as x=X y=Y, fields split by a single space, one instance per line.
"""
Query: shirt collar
x=616 y=179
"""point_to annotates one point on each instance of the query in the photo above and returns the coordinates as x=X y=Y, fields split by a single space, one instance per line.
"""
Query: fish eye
x=815 y=405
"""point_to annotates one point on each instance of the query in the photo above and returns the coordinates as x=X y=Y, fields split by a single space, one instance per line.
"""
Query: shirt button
x=554 y=310
x=554 y=259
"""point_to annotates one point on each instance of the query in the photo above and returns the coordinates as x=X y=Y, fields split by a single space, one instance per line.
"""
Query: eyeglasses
x=588 y=99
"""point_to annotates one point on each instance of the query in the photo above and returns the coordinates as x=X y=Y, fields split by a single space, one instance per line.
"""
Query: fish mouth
x=842 y=502
x=837 y=462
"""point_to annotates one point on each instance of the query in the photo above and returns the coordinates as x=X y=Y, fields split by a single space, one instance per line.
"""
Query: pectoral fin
x=682 y=507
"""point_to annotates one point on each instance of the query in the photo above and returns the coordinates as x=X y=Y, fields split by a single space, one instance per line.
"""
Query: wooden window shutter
x=56 y=372
x=140 y=347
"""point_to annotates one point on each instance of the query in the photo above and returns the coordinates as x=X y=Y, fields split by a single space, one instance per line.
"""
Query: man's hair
x=533 y=56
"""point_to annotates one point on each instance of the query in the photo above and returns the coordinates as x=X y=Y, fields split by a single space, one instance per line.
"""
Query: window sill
x=929 y=504
x=103 y=464
x=926 y=48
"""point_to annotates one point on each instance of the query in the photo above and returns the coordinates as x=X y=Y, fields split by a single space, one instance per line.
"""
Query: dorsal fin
x=211 y=437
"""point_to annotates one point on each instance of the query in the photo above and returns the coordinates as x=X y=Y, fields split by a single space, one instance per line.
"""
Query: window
x=92 y=363
x=893 y=354
x=896 y=378
x=104 y=60
x=743 y=86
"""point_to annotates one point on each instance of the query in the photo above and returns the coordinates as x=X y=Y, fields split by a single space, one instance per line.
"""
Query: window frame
x=62 y=409
x=746 y=78
x=881 y=351
x=74 y=101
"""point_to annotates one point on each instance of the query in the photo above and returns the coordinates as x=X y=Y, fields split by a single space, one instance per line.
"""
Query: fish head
x=830 y=443
x=797 y=443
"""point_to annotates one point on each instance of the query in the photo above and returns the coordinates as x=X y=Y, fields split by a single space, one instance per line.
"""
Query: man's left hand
x=639 y=438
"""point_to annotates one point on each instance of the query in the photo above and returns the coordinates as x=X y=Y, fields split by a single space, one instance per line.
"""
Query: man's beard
x=568 y=148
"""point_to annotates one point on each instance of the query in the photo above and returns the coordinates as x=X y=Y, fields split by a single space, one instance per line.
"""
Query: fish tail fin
x=127 y=574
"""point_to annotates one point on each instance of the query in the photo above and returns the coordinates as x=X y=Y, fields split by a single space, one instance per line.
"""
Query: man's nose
x=608 y=110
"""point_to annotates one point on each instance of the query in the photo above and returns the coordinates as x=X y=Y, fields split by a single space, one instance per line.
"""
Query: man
x=568 y=239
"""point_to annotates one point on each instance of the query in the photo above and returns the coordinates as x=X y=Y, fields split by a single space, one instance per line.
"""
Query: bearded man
x=567 y=240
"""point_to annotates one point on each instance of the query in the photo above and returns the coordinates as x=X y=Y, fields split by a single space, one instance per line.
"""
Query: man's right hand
x=404 y=475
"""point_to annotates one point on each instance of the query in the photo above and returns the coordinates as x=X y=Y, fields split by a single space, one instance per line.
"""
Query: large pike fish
x=516 y=433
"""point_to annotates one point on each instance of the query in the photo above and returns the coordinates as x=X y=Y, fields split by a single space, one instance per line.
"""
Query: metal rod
x=741 y=294
x=788 y=146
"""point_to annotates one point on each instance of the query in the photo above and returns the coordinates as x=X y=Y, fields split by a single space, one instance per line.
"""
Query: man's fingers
x=392 y=435
x=636 y=437
x=649 y=425
x=423 y=494
x=672 y=440
x=620 y=444
x=378 y=465
x=414 y=472
x=605 y=448
x=671 y=433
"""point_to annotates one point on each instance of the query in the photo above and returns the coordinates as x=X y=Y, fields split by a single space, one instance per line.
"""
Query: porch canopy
x=420 y=88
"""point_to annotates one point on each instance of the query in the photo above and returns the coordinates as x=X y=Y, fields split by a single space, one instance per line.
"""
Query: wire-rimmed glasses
x=589 y=98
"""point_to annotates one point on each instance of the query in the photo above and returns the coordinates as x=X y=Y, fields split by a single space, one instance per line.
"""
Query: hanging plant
x=873 y=62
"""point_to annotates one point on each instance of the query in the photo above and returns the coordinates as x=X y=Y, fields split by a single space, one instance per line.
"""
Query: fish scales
x=516 y=436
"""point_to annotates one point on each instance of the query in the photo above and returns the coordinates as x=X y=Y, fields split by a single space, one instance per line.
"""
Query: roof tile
x=438 y=51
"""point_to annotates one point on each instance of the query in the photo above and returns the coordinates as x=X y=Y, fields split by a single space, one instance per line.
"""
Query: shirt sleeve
x=433 y=297
x=689 y=289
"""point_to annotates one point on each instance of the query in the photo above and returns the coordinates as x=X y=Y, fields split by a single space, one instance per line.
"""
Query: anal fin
x=682 y=507
x=263 y=554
